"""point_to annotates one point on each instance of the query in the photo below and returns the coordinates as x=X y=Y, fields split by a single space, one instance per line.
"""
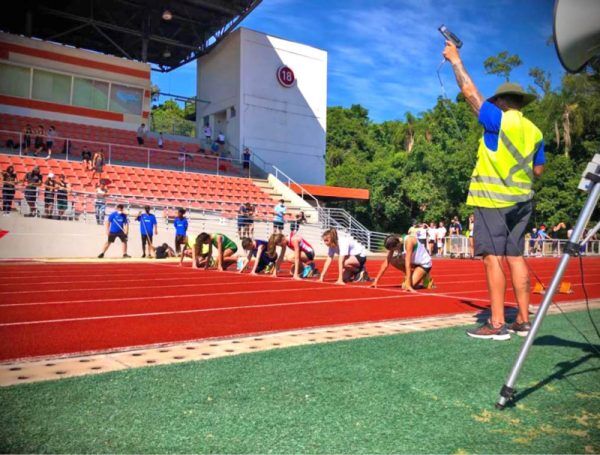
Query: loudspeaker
x=577 y=32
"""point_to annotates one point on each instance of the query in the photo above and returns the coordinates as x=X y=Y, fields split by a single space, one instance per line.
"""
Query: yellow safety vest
x=504 y=178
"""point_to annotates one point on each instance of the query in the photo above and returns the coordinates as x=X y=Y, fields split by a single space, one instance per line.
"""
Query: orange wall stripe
x=60 y=108
x=48 y=55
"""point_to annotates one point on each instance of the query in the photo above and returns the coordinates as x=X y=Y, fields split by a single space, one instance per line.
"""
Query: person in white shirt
x=422 y=234
x=431 y=239
x=415 y=262
x=208 y=133
x=441 y=238
x=221 y=138
x=160 y=141
x=352 y=258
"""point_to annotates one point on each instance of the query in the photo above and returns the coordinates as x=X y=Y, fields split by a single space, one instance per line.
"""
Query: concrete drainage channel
x=22 y=372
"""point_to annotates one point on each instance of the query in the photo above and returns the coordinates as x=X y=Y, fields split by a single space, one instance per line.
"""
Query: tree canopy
x=419 y=168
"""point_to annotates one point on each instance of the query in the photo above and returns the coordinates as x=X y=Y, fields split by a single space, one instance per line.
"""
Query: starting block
x=565 y=288
x=539 y=288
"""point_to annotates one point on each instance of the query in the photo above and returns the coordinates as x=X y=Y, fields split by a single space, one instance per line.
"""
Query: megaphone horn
x=577 y=32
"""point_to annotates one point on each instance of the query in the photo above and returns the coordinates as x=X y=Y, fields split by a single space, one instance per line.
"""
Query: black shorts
x=49 y=197
x=49 y=144
x=278 y=224
x=501 y=232
x=361 y=261
x=140 y=140
x=263 y=262
x=310 y=255
x=242 y=221
x=120 y=235
x=146 y=238
x=427 y=269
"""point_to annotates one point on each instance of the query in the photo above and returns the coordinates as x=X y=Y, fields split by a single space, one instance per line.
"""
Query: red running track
x=53 y=309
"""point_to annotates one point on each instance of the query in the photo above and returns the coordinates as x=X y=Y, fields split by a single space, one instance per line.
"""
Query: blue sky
x=384 y=54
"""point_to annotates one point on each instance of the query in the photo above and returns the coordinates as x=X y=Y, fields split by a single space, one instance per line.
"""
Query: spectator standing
x=148 y=228
x=510 y=154
x=455 y=232
x=247 y=154
x=101 y=192
x=117 y=226
x=279 y=218
x=160 y=141
x=141 y=134
x=98 y=163
x=422 y=234
x=441 y=238
x=49 y=195
x=432 y=239
x=9 y=180
x=207 y=133
x=221 y=138
x=471 y=236
x=27 y=132
x=62 y=195
x=242 y=220
x=33 y=179
x=297 y=221
x=50 y=135
x=38 y=142
x=542 y=237
x=181 y=226
x=251 y=209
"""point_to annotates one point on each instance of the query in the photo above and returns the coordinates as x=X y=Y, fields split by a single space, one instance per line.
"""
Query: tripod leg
x=507 y=391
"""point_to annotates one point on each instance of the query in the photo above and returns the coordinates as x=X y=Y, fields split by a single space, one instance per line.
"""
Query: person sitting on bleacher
x=86 y=158
x=50 y=135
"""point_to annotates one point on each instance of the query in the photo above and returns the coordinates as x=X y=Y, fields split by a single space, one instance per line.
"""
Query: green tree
x=502 y=64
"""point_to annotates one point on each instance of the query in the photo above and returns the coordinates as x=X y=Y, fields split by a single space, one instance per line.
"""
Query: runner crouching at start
x=303 y=254
x=263 y=261
x=414 y=262
x=226 y=249
x=352 y=258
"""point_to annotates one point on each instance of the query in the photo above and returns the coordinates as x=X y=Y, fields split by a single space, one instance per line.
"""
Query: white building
x=270 y=95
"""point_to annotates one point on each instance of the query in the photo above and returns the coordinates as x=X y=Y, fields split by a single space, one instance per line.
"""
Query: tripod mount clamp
x=591 y=174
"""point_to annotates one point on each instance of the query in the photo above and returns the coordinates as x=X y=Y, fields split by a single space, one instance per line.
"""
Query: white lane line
x=121 y=288
x=156 y=297
x=203 y=310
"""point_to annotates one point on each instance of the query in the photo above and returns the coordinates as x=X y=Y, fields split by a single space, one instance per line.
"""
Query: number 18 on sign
x=286 y=76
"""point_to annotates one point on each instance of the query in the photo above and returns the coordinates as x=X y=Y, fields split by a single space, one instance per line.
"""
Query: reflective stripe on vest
x=504 y=178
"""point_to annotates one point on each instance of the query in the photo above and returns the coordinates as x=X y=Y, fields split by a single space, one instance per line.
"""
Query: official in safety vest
x=510 y=155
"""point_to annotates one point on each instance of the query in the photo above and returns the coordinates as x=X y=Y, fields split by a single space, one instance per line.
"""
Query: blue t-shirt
x=181 y=225
x=279 y=213
x=147 y=223
x=117 y=222
x=490 y=117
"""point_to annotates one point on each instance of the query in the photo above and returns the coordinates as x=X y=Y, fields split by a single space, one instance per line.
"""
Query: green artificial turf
x=427 y=392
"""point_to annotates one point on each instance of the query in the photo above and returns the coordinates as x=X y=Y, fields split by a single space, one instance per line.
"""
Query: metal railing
x=183 y=160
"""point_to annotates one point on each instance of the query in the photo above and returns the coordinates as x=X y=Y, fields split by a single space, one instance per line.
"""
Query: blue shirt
x=117 y=222
x=279 y=212
x=181 y=225
x=490 y=117
x=258 y=244
x=147 y=223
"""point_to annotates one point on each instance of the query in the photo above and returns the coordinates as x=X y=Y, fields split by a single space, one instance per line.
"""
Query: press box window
x=126 y=100
x=14 y=80
x=90 y=93
x=52 y=87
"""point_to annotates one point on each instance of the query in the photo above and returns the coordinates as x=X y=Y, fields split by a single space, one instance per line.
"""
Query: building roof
x=135 y=29
x=332 y=192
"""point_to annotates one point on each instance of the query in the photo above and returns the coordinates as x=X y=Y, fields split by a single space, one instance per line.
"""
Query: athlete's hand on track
x=373 y=284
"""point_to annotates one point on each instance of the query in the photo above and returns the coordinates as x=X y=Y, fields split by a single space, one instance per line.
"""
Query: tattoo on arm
x=467 y=87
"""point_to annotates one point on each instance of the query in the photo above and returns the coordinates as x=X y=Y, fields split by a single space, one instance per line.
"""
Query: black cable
x=587 y=300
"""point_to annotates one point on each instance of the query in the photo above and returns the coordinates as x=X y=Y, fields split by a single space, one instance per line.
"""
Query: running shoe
x=126 y=256
x=362 y=276
x=309 y=270
x=101 y=255
x=428 y=282
x=489 y=332
x=268 y=268
x=522 y=329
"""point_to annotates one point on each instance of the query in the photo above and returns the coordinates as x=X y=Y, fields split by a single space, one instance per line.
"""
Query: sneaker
x=522 y=329
x=144 y=255
x=126 y=256
x=488 y=331
x=268 y=268
x=428 y=282
x=362 y=276
x=101 y=255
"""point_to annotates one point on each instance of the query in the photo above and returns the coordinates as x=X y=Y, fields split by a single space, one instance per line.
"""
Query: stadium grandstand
x=83 y=70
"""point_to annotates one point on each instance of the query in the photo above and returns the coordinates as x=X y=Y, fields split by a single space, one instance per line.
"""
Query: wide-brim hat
x=511 y=88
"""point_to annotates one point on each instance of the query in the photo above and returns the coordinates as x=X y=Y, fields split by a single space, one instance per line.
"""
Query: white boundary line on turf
x=200 y=310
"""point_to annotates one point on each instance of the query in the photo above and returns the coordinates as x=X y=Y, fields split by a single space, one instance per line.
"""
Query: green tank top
x=226 y=241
